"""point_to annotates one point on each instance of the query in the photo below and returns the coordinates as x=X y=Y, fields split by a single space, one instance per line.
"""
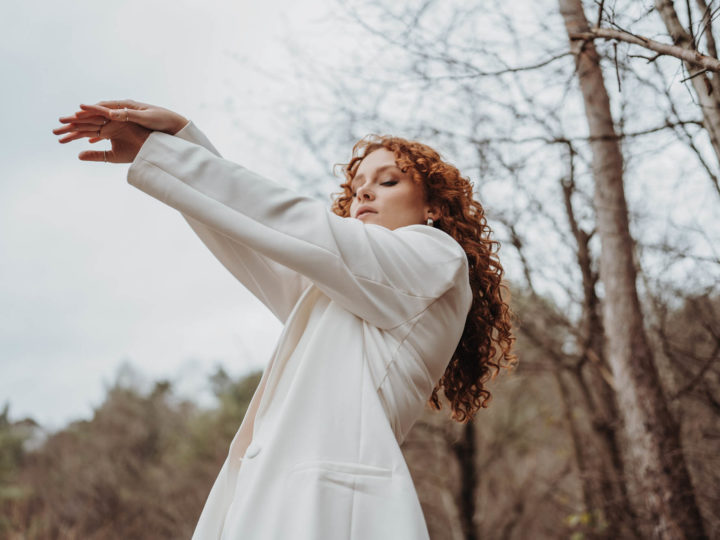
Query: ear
x=433 y=212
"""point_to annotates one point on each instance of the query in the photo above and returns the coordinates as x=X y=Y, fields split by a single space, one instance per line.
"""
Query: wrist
x=140 y=137
x=179 y=123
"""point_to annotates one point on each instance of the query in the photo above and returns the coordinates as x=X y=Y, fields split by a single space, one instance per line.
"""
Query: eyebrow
x=378 y=171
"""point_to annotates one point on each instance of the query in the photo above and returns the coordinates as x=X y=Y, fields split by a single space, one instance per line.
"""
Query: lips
x=365 y=210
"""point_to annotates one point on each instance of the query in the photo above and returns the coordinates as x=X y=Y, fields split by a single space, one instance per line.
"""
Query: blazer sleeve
x=275 y=285
x=383 y=276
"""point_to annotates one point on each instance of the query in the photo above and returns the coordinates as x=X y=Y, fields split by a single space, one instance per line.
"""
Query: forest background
x=590 y=131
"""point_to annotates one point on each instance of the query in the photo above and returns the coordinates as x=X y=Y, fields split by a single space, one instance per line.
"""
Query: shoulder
x=446 y=259
x=437 y=240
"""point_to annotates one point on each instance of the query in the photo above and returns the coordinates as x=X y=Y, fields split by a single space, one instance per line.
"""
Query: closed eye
x=387 y=183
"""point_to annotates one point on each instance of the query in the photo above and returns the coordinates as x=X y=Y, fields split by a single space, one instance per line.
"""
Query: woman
x=390 y=295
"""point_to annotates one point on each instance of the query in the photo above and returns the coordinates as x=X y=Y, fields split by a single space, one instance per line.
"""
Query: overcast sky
x=93 y=272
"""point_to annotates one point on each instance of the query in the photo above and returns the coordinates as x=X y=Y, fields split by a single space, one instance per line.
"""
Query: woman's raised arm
x=383 y=276
x=277 y=286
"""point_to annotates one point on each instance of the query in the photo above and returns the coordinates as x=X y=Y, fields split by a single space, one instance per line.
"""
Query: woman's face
x=384 y=195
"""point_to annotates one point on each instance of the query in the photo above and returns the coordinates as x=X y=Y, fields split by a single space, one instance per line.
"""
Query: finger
x=74 y=135
x=94 y=120
x=61 y=130
x=88 y=128
x=79 y=127
x=91 y=110
x=97 y=155
x=78 y=115
x=121 y=115
x=96 y=109
x=71 y=137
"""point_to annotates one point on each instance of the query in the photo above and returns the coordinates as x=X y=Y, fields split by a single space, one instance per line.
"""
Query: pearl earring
x=430 y=222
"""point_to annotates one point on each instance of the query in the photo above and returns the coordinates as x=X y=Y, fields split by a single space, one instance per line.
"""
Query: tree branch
x=707 y=28
x=693 y=57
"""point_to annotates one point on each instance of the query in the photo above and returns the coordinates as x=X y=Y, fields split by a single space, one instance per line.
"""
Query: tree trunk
x=466 y=455
x=665 y=498
x=590 y=470
x=706 y=89
x=598 y=396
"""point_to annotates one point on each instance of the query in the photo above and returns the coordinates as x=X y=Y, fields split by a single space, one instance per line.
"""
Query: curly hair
x=486 y=342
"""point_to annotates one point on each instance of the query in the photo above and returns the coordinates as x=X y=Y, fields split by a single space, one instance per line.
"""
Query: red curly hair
x=486 y=342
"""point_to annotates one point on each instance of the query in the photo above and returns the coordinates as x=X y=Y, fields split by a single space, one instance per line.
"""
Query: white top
x=372 y=317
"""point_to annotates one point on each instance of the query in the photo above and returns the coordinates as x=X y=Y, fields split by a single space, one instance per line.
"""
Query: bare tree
x=703 y=68
x=654 y=453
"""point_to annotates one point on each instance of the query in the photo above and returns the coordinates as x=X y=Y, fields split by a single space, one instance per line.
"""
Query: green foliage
x=12 y=439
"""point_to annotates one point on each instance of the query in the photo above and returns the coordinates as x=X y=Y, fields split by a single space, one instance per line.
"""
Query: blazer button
x=252 y=450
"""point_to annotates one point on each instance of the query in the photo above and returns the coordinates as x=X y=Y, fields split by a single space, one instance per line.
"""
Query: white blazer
x=372 y=317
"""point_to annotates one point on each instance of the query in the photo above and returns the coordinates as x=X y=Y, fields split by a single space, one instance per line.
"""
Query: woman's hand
x=126 y=123
x=144 y=114
x=126 y=138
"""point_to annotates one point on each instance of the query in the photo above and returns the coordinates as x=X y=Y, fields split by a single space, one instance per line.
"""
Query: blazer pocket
x=342 y=467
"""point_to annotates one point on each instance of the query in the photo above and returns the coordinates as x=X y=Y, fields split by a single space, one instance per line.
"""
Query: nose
x=364 y=193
